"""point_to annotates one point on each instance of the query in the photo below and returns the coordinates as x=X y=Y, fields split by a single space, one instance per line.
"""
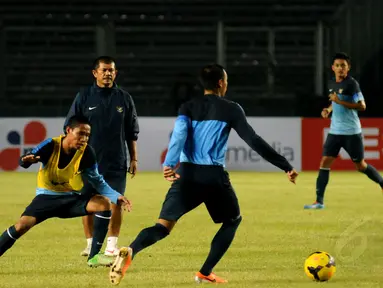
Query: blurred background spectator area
x=277 y=53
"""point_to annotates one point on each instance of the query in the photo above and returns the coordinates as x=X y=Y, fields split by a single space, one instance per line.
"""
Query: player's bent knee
x=168 y=224
x=327 y=161
x=233 y=222
x=105 y=204
x=25 y=223
x=361 y=166
x=99 y=203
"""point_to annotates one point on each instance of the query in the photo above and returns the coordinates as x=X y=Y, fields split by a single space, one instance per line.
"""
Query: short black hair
x=343 y=56
x=210 y=75
x=103 y=59
x=77 y=120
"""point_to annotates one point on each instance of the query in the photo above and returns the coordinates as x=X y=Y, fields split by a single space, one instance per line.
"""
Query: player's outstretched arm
x=98 y=183
x=28 y=159
x=89 y=167
x=41 y=153
x=258 y=144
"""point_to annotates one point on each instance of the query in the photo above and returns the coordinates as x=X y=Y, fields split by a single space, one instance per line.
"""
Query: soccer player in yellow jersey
x=66 y=163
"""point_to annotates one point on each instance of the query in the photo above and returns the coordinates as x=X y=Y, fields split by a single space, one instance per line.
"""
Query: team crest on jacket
x=119 y=109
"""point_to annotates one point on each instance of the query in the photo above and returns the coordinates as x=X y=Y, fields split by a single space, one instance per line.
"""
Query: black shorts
x=45 y=206
x=115 y=179
x=201 y=184
x=353 y=144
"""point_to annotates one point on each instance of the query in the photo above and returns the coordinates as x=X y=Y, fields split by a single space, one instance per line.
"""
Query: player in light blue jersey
x=345 y=130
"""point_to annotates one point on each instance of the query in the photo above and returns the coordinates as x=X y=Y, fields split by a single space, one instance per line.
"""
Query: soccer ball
x=320 y=266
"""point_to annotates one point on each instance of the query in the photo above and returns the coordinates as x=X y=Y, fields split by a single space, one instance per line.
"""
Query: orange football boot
x=120 y=265
x=211 y=278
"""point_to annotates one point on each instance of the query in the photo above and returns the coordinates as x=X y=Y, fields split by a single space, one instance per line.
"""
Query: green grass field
x=275 y=237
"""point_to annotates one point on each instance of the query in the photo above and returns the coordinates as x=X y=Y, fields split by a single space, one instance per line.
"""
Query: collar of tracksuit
x=105 y=91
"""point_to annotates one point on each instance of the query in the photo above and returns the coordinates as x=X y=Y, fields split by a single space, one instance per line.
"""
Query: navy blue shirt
x=113 y=119
x=202 y=130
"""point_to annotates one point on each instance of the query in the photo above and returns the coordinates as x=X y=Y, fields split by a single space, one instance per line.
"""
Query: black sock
x=7 y=239
x=100 y=228
x=148 y=237
x=322 y=181
x=220 y=244
x=373 y=174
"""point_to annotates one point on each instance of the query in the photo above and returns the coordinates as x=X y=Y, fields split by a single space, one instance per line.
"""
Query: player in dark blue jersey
x=345 y=130
x=199 y=142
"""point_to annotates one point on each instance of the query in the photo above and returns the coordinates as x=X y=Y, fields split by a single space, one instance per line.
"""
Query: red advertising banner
x=314 y=133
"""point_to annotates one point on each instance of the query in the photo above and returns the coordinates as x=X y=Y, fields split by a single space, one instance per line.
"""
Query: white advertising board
x=20 y=134
x=284 y=134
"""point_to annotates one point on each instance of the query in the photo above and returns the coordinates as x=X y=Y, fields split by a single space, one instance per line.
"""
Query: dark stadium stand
x=49 y=49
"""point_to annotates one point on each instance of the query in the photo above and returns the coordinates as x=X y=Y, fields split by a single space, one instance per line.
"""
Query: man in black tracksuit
x=113 y=118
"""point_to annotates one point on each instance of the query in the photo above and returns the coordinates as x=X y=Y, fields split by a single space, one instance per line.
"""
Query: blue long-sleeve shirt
x=202 y=129
x=98 y=183
x=88 y=168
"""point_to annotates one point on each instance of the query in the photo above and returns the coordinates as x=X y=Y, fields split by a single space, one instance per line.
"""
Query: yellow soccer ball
x=320 y=266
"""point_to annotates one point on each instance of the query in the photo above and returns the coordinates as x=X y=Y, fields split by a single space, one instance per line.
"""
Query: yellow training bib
x=68 y=179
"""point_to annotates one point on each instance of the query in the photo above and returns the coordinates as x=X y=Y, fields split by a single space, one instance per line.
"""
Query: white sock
x=89 y=242
x=111 y=243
